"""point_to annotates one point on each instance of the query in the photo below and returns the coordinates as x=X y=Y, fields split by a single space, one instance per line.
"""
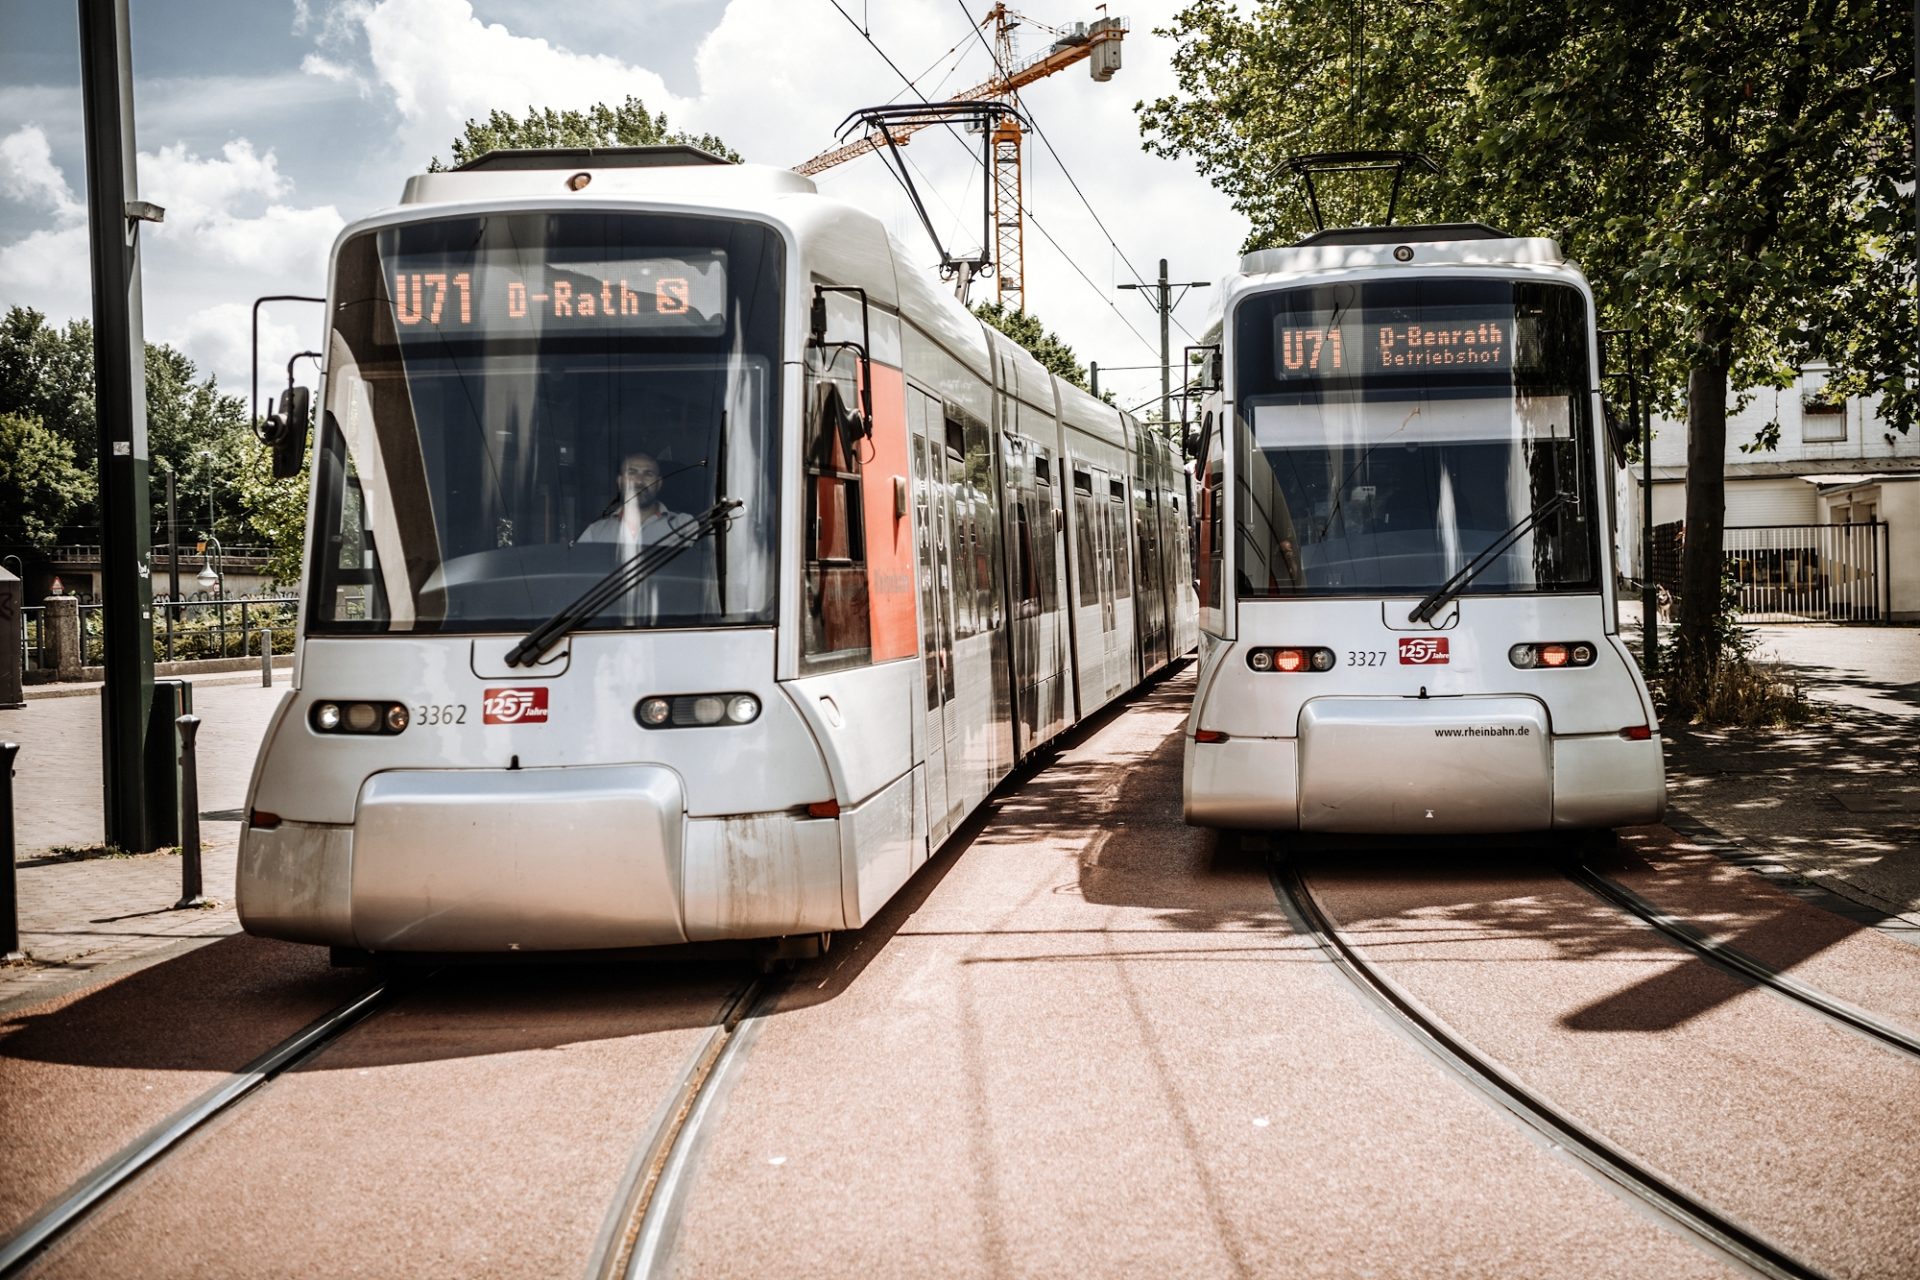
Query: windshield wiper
x=622 y=578
x=1424 y=611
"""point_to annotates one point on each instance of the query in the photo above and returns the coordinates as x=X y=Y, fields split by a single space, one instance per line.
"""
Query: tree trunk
x=1702 y=560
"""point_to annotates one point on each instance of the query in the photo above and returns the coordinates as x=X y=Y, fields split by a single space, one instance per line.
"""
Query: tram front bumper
x=1396 y=766
x=479 y=860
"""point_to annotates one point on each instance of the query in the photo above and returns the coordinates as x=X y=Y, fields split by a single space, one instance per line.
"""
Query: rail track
x=86 y=1196
x=1742 y=965
x=1719 y=1233
x=637 y=1237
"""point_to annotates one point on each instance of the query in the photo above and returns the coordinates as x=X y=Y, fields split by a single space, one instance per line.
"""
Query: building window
x=1822 y=420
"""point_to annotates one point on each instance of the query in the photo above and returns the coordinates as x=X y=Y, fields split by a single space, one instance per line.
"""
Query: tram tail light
x=262 y=820
x=1637 y=732
x=1551 y=653
x=824 y=809
x=1209 y=735
x=1290 y=658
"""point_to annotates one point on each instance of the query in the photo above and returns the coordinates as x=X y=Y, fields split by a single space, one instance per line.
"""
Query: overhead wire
x=1102 y=293
x=1068 y=174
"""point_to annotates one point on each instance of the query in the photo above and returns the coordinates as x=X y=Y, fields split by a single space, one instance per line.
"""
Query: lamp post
x=209 y=576
x=209 y=580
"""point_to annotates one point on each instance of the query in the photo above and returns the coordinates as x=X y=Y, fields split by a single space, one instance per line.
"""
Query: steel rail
x=1718 y=1232
x=25 y=1245
x=1741 y=964
x=634 y=1238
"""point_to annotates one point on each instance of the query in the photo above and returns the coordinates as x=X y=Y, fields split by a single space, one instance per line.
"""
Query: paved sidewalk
x=1834 y=806
x=81 y=913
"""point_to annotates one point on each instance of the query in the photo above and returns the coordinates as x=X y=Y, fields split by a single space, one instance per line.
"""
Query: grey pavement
x=83 y=911
x=1833 y=804
x=1831 y=809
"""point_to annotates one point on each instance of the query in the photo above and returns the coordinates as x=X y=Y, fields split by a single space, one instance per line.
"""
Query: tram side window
x=835 y=629
x=1085 y=512
x=971 y=464
x=1028 y=589
x=1211 y=554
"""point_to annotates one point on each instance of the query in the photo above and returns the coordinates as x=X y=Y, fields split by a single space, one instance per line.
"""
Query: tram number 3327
x=1366 y=657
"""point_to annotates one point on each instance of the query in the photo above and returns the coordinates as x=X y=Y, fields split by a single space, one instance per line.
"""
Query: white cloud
x=47 y=270
x=221 y=337
x=28 y=174
x=443 y=66
x=327 y=69
x=230 y=234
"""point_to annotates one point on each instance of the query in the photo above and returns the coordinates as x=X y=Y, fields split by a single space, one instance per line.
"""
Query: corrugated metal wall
x=1786 y=500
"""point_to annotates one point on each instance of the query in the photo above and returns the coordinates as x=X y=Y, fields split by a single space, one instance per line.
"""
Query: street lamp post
x=209 y=579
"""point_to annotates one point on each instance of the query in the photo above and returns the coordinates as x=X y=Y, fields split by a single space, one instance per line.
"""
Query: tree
x=39 y=483
x=627 y=125
x=49 y=445
x=1054 y=355
x=1728 y=174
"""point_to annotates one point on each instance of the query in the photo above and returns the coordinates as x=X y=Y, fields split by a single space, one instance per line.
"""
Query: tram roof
x=1451 y=243
x=616 y=173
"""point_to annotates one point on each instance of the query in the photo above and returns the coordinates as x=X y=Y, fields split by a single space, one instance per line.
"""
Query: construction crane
x=1097 y=42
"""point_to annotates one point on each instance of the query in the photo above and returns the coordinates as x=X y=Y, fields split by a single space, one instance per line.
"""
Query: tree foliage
x=1046 y=346
x=39 y=483
x=1728 y=174
x=627 y=125
x=49 y=447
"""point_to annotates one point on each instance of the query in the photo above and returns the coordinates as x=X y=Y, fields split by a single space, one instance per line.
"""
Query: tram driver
x=636 y=518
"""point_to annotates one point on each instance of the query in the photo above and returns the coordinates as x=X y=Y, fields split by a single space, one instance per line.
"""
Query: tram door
x=933 y=539
x=1151 y=602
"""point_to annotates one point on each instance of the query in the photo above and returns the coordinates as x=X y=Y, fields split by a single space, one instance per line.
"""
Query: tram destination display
x=1338 y=345
x=497 y=295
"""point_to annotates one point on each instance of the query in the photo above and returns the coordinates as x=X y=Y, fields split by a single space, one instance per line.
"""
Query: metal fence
x=1811 y=572
x=1796 y=572
x=182 y=630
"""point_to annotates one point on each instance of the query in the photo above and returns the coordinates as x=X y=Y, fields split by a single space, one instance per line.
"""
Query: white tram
x=1405 y=548
x=629 y=618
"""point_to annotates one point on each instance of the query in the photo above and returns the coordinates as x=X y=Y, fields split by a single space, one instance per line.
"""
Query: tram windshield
x=1391 y=431
x=517 y=403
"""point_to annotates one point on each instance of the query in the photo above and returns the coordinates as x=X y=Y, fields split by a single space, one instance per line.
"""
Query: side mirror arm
x=862 y=348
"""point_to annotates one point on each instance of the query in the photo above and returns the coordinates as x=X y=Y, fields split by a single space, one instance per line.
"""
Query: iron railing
x=222 y=628
x=1811 y=572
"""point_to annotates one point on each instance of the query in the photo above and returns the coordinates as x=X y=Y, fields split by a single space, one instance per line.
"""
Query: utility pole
x=114 y=215
x=1160 y=298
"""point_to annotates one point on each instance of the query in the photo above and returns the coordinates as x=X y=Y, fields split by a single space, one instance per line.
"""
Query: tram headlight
x=378 y=718
x=695 y=710
x=1290 y=658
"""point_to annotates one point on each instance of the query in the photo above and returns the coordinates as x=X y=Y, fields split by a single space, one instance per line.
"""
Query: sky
x=265 y=126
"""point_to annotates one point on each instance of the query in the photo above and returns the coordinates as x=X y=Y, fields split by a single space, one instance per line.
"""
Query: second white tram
x=1405 y=548
x=624 y=622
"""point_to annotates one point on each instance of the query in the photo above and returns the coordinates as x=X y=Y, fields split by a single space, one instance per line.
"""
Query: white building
x=1789 y=508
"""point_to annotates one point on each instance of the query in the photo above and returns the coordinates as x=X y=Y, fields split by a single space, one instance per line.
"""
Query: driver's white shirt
x=626 y=525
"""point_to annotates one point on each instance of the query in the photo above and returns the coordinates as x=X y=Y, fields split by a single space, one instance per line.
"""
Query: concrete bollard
x=190 y=894
x=13 y=626
x=62 y=621
x=9 y=888
x=266 y=658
